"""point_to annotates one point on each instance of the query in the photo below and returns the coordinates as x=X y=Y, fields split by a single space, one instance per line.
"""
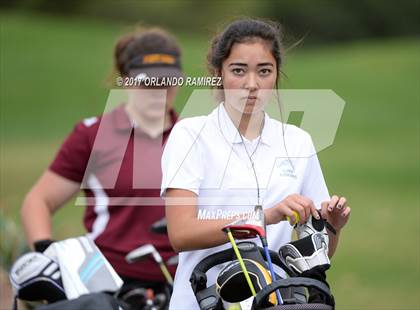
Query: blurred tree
x=325 y=20
x=12 y=243
x=318 y=20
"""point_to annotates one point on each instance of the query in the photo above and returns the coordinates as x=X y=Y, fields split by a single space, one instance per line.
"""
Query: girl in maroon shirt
x=115 y=159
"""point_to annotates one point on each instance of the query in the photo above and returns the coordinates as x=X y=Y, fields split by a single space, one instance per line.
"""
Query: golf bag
x=231 y=285
x=65 y=270
x=99 y=301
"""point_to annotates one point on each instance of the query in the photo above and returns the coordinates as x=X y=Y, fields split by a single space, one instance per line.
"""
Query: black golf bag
x=300 y=291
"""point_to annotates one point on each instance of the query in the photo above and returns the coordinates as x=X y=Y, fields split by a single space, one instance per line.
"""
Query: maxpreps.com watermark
x=220 y=214
x=143 y=80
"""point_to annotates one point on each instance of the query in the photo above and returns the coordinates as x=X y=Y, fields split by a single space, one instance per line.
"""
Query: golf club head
x=143 y=252
x=248 y=228
x=160 y=226
x=172 y=261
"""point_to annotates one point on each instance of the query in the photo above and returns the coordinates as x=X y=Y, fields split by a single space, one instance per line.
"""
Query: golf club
x=160 y=226
x=250 y=228
x=173 y=260
x=241 y=261
x=149 y=250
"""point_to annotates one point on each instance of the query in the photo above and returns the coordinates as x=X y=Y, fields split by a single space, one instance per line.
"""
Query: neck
x=152 y=127
x=249 y=125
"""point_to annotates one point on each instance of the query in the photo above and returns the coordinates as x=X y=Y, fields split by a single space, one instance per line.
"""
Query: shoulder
x=293 y=132
x=297 y=133
x=87 y=126
x=190 y=126
x=114 y=118
x=84 y=131
x=191 y=123
x=296 y=141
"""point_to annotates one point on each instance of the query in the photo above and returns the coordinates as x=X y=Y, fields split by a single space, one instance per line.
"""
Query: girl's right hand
x=287 y=208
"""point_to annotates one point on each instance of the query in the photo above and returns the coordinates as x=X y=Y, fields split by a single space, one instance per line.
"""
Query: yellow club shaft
x=241 y=262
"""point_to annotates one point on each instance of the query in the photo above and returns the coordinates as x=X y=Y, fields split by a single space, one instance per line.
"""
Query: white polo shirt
x=205 y=155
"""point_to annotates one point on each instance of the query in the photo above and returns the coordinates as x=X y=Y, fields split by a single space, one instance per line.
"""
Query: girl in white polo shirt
x=236 y=157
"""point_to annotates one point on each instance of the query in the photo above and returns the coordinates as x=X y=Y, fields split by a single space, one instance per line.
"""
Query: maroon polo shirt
x=119 y=168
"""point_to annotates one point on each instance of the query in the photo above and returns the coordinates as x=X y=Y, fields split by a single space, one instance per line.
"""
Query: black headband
x=156 y=59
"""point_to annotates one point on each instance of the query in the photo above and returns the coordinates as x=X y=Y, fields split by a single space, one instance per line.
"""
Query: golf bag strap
x=262 y=295
x=208 y=299
x=198 y=277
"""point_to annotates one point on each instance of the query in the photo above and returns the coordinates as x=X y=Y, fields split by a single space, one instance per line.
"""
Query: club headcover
x=306 y=253
x=232 y=286
x=35 y=276
x=312 y=226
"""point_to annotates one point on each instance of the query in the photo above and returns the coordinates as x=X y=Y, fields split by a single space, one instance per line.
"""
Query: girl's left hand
x=336 y=212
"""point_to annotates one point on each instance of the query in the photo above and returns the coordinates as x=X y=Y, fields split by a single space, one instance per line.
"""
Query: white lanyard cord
x=246 y=150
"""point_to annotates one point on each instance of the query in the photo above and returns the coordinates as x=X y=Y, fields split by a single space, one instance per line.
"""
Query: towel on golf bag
x=83 y=267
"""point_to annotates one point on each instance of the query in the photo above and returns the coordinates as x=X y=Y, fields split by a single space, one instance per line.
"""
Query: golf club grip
x=284 y=283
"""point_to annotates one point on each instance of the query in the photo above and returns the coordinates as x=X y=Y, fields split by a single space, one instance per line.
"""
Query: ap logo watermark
x=321 y=112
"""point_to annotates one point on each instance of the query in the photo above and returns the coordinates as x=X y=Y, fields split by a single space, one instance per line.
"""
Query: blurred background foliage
x=319 y=21
x=55 y=69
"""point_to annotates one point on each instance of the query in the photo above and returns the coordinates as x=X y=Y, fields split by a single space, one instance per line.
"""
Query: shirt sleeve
x=71 y=160
x=182 y=166
x=314 y=186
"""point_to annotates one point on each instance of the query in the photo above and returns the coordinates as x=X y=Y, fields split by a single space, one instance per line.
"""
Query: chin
x=253 y=109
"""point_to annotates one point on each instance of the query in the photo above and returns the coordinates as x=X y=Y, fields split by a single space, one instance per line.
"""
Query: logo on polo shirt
x=286 y=168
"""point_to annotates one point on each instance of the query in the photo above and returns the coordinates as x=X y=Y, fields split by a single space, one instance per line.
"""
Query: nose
x=251 y=83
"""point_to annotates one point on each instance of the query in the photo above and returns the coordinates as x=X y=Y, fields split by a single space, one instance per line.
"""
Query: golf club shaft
x=273 y=275
x=241 y=262
x=166 y=273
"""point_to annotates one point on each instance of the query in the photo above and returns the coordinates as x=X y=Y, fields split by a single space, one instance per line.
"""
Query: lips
x=249 y=98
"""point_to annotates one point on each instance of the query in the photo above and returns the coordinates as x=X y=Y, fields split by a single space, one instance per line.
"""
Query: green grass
x=53 y=74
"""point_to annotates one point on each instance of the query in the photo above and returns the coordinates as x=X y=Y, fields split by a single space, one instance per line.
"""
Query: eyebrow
x=265 y=64
x=238 y=64
x=245 y=65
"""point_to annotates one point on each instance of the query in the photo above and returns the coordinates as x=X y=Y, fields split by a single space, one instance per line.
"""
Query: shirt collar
x=231 y=133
